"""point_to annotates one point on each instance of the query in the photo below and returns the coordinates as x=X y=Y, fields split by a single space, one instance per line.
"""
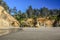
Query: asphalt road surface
x=34 y=34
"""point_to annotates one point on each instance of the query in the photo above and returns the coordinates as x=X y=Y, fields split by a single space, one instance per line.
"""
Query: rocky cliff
x=6 y=20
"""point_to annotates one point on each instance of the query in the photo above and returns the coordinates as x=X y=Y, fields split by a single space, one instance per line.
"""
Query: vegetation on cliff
x=32 y=13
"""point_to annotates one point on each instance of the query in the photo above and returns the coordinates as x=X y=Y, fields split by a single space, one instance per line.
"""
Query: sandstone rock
x=46 y=22
x=6 y=20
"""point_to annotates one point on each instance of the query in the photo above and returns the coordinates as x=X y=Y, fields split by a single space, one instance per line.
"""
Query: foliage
x=2 y=3
x=35 y=13
x=32 y=13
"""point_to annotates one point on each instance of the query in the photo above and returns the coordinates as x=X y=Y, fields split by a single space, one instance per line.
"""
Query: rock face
x=27 y=23
x=3 y=23
x=38 y=22
x=46 y=22
x=6 y=20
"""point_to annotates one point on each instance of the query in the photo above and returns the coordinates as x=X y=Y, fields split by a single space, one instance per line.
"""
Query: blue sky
x=23 y=4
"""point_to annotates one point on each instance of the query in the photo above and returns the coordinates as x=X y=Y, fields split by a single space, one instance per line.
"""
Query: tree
x=55 y=12
x=50 y=12
x=36 y=12
x=10 y=11
x=29 y=11
x=14 y=10
x=2 y=3
x=19 y=12
x=44 y=11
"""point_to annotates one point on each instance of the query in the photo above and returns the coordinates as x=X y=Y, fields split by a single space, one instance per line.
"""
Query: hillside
x=7 y=22
x=6 y=19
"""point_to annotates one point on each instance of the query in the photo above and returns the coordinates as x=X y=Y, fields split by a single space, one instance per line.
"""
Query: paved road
x=34 y=34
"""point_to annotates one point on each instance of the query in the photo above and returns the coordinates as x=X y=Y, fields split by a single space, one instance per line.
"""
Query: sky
x=24 y=4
